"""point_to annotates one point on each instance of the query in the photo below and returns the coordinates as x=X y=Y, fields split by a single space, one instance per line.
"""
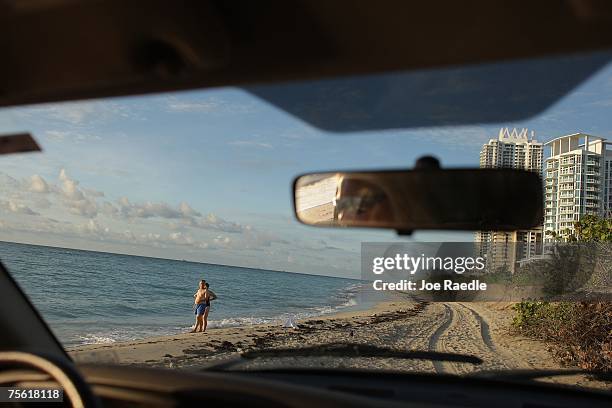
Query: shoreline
x=153 y=349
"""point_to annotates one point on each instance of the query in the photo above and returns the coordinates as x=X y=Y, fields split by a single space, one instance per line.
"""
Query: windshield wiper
x=535 y=374
x=347 y=350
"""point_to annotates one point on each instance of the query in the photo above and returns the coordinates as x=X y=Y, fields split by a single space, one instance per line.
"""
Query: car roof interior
x=55 y=50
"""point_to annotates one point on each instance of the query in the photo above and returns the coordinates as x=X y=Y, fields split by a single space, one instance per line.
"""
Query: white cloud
x=17 y=208
x=185 y=215
x=109 y=209
x=84 y=207
x=42 y=203
x=70 y=136
x=177 y=105
x=74 y=113
x=56 y=135
x=208 y=105
x=181 y=238
x=78 y=114
x=455 y=136
x=95 y=228
x=93 y=193
x=150 y=236
x=187 y=211
x=250 y=143
x=74 y=198
x=147 y=210
x=185 y=226
x=215 y=223
x=254 y=239
x=221 y=240
x=69 y=186
x=8 y=183
x=38 y=184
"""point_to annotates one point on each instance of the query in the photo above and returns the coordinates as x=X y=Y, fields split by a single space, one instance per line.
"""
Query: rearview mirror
x=461 y=199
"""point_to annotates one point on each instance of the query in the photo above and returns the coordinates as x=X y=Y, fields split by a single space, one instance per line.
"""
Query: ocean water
x=93 y=297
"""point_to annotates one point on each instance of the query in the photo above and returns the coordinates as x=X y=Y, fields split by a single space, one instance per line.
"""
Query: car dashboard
x=128 y=386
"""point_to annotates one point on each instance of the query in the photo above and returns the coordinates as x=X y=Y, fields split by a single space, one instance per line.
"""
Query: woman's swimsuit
x=201 y=307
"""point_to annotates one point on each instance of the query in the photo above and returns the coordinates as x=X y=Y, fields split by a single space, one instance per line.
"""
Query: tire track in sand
x=451 y=328
x=434 y=343
x=485 y=332
x=509 y=359
x=423 y=332
x=463 y=330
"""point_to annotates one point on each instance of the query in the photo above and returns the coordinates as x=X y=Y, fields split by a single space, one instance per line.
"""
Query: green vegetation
x=593 y=229
x=580 y=331
x=590 y=228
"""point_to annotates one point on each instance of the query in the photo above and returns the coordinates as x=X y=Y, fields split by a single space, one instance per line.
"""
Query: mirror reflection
x=438 y=199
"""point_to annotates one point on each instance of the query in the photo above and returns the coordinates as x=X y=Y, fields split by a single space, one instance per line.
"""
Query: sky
x=206 y=175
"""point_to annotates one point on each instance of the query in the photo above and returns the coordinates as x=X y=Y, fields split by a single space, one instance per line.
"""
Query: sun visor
x=487 y=93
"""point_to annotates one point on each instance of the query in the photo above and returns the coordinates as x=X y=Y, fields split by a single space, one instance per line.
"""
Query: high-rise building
x=518 y=150
x=578 y=182
x=513 y=149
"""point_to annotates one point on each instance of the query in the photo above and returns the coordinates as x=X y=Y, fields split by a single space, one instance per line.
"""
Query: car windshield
x=159 y=230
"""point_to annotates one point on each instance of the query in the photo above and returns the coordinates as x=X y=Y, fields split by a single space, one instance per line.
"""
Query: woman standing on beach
x=201 y=304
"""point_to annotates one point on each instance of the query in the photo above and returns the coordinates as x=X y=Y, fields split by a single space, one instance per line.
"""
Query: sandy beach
x=195 y=350
x=479 y=329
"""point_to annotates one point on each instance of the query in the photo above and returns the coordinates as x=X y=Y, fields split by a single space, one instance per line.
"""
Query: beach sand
x=479 y=329
x=193 y=350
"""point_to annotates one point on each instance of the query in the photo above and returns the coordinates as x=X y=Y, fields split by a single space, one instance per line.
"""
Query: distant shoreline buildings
x=577 y=178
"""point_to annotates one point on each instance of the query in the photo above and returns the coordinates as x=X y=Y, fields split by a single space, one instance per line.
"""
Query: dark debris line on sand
x=194 y=357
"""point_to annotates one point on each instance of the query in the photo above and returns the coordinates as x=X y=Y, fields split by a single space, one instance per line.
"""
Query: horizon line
x=173 y=259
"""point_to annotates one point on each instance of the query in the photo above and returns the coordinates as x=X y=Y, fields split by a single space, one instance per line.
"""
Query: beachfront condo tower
x=513 y=149
x=578 y=182
x=517 y=150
